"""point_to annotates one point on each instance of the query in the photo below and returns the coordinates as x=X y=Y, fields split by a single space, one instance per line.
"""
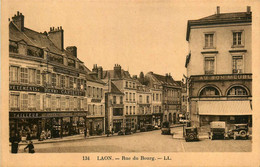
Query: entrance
x=117 y=127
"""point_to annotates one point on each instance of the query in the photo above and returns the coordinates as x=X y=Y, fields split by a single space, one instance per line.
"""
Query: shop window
x=14 y=102
x=209 y=91
x=237 y=91
x=24 y=75
x=237 y=64
x=13 y=74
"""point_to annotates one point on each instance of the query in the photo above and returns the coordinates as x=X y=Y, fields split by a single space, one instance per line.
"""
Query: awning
x=224 y=108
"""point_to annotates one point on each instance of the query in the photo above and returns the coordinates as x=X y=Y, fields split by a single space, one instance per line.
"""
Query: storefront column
x=70 y=126
x=61 y=129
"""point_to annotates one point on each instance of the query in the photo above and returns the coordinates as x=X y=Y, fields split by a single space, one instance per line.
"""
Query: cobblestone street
x=151 y=141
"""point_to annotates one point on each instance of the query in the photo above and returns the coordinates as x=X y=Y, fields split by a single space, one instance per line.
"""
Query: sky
x=140 y=35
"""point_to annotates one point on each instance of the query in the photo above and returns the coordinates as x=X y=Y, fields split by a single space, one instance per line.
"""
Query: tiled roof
x=112 y=75
x=162 y=80
x=94 y=79
x=222 y=18
x=114 y=89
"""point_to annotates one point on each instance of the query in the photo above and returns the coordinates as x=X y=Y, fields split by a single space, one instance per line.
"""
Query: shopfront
x=47 y=124
x=95 y=126
x=157 y=119
x=117 y=125
x=144 y=119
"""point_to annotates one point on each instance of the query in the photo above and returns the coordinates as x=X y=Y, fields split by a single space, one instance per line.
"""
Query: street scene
x=151 y=141
x=58 y=103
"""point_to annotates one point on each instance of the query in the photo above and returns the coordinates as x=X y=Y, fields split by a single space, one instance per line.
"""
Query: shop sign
x=64 y=71
x=26 y=88
x=69 y=114
x=222 y=77
x=46 y=90
x=24 y=115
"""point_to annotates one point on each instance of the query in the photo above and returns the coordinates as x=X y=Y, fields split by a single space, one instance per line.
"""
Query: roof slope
x=114 y=89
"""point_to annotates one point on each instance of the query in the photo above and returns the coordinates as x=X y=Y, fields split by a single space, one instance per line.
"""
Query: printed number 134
x=86 y=158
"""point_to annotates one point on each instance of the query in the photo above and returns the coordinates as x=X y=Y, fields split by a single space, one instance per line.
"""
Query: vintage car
x=147 y=127
x=166 y=128
x=191 y=134
x=239 y=131
x=218 y=129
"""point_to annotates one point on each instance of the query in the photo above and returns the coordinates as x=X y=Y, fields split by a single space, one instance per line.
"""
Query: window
x=133 y=97
x=140 y=99
x=134 y=110
x=13 y=74
x=130 y=110
x=58 y=80
x=53 y=79
x=75 y=103
x=24 y=102
x=133 y=85
x=209 y=65
x=237 y=64
x=114 y=99
x=71 y=83
x=153 y=96
x=126 y=84
x=47 y=102
x=14 y=102
x=147 y=99
x=89 y=91
x=126 y=96
x=130 y=84
x=38 y=77
x=24 y=75
x=130 y=96
x=237 y=91
x=160 y=97
x=97 y=93
x=32 y=101
x=85 y=85
x=53 y=103
x=101 y=92
x=121 y=99
x=209 y=40
x=62 y=83
x=67 y=103
x=209 y=91
x=78 y=83
x=126 y=110
x=237 y=38
x=63 y=103
x=157 y=96
x=58 y=102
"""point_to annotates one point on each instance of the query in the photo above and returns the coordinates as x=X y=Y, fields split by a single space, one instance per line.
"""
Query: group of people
x=15 y=139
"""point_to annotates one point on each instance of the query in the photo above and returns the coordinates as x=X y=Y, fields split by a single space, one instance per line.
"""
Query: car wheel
x=242 y=133
x=191 y=137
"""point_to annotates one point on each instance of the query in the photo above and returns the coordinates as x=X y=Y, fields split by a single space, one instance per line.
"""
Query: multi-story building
x=168 y=92
x=183 y=113
x=47 y=83
x=127 y=85
x=114 y=108
x=219 y=68
x=144 y=104
x=96 y=89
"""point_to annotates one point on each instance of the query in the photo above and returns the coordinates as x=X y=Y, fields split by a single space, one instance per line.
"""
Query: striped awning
x=224 y=107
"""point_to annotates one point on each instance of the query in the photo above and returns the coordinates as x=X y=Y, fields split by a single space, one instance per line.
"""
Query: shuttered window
x=24 y=102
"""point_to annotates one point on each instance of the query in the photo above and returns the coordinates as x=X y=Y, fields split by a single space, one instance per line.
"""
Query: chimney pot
x=248 y=10
x=218 y=10
x=17 y=13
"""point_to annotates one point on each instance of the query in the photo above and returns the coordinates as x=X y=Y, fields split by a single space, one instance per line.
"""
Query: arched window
x=237 y=91
x=209 y=91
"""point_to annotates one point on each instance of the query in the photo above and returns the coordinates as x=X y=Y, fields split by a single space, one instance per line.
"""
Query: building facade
x=219 y=68
x=170 y=95
x=47 y=83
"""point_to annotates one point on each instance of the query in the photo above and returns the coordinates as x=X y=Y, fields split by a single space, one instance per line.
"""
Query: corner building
x=47 y=83
x=219 y=68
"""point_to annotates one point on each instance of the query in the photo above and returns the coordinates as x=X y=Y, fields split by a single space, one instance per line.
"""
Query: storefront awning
x=224 y=108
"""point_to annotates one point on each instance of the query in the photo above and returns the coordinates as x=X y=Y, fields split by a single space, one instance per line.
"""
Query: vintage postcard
x=129 y=83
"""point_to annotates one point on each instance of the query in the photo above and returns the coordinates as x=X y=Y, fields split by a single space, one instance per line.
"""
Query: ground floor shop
x=95 y=126
x=45 y=125
x=131 y=123
x=157 y=119
x=117 y=125
x=143 y=120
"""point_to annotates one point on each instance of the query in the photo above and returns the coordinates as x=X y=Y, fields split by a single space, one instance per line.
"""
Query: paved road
x=151 y=141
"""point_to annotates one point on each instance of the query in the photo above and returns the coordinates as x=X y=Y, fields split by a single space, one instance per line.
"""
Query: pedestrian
x=30 y=146
x=112 y=131
x=85 y=132
x=14 y=139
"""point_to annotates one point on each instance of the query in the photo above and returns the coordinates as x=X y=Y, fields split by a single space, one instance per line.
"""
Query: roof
x=37 y=39
x=224 y=107
x=112 y=75
x=93 y=78
x=222 y=18
x=114 y=89
x=163 y=80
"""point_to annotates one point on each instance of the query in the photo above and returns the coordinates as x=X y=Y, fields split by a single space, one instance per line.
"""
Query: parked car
x=239 y=131
x=127 y=131
x=147 y=127
x=191 y=134
x=166 y=128
x=218 y=130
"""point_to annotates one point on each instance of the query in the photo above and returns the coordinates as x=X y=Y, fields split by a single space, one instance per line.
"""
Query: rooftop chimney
x=117 y=71
x=248 y=9
x=19 y=20
x=218 y=10
x=56 y=36
x=72 y=50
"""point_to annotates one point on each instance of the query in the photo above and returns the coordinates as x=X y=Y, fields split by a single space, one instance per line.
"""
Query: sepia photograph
x=121 y=81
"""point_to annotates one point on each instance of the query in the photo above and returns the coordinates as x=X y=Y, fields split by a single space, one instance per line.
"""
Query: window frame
x=236 y=45
x=206 y=46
